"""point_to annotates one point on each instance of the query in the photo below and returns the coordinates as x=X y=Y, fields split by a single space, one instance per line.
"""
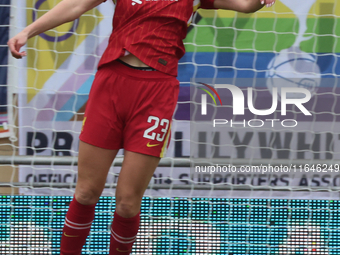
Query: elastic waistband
x=124 y=69
x=136 y=67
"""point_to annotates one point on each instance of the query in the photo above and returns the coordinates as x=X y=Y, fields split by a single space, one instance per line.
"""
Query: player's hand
x=268 y=3
x=16 y=43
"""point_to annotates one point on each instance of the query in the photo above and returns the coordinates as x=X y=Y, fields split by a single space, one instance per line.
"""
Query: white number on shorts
x=164 y=130
x=152 y=135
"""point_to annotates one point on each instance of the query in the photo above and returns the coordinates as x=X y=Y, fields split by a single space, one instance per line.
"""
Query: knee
x=87 y=195
x=128 y=206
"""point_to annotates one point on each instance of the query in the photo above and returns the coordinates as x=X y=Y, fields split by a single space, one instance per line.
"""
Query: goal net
x=253 y=165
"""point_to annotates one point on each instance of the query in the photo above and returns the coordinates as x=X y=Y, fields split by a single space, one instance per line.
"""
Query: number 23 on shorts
x=150 y=134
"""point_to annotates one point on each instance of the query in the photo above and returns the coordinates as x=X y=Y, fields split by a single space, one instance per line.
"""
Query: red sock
x=77 y=227
x=123 y=234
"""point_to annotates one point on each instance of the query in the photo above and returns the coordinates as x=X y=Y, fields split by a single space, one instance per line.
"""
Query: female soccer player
x=130 y=106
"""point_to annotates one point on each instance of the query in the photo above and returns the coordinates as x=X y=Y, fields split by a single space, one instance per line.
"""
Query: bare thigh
x=93 y=166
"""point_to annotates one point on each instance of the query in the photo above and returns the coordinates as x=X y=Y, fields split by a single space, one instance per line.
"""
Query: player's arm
x=246 y=6
x=65 y=11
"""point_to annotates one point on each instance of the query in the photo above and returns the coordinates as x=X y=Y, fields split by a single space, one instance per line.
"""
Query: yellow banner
x=48 y=51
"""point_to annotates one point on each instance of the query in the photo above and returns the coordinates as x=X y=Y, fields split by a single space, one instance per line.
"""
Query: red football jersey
x=152 y=30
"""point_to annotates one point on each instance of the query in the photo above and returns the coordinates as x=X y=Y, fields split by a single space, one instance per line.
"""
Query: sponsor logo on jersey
x=136 y=2
x=152 y=145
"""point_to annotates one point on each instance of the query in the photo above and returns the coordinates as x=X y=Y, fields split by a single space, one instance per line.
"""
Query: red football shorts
x=131 y=109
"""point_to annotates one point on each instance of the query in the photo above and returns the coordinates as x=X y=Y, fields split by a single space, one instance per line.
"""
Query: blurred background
x=42 y=102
